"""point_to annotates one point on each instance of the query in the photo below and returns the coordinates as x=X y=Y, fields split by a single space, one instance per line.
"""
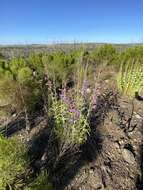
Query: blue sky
x=42 y=21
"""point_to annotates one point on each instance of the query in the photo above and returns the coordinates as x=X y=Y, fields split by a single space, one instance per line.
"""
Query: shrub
x=4 y=69
x=71 y=124
x=16 y=64
x=35 y=62
x=8 y=75
x=72 y=109
x=8 y=90
x=130 y=77
x=25 y=75
x=13 y=160
x=105 y=55
x=60 y=66
x=56 y=68
x=135 y=53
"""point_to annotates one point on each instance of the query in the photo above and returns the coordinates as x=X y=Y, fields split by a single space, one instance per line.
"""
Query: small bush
x=72 y=109
x=16 y=64
x=25 y=75
x=35 y=62
x=13 y=160
x=8 y=90
x=105 y=55
x=135 y=53
x=71 y=123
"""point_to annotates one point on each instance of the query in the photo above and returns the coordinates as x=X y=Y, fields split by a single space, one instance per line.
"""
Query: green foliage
x=18 y=85
x=24 y=75
x=60 y=66
x=4 y=70
x=35 y=62
x=1 y=72
x=8 y=75
x=72 y=125
x=8 y=89
x=135 y=53
x=13 y=160
x=130 y=77
x=71 y=111
x=56 y=68
x=16 y=64
x=40 y=183
x=105 y=55
x=33 y=99
x=107 y=52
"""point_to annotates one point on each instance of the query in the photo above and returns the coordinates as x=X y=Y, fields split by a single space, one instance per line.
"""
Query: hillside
x=71 y=118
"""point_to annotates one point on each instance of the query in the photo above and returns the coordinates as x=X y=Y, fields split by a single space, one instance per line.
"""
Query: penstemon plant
x=71 y=113
x=72 y=108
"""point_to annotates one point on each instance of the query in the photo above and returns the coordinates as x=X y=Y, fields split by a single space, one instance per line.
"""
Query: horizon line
x=66 y=43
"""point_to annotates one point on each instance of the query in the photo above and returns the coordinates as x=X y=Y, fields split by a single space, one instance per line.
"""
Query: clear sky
x=42 y=21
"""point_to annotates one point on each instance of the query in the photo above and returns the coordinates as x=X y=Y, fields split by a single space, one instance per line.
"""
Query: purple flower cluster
x=74 y=115
x=64 y=97
x=68 y=99
x=73 y=108
x=75 y=112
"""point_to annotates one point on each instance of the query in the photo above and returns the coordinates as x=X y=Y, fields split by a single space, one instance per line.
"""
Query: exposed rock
x=128 y=156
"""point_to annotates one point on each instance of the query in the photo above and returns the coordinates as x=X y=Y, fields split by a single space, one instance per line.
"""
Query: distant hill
x=23 y=50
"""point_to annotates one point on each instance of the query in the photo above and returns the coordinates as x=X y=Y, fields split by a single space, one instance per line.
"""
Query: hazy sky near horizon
x=42 y=21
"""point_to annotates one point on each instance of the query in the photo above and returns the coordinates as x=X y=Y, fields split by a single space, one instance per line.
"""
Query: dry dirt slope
x=118 y=164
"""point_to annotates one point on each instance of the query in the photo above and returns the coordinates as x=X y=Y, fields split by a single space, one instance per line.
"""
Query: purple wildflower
x=64 y=97
x=75 y=111
x=74 y=117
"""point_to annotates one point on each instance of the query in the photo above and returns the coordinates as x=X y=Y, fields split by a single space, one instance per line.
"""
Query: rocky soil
x=118 y=164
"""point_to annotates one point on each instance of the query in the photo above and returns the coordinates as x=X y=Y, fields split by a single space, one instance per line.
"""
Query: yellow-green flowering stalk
x=130 y=78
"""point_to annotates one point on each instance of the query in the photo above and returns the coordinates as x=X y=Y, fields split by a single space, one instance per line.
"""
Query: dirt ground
x=118 y=165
